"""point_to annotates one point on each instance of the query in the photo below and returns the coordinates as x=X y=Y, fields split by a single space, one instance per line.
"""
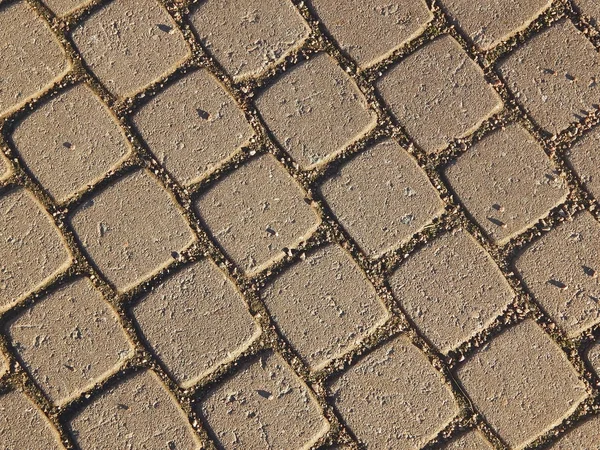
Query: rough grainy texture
x=438 y=94
x=63 y=7
x=382 y=197
x=583 y=436
x=31 y=249
x=521 y=363
x=255 y=212
x=593 y=356
x=489 y=21
x=469 y=441
x=31 y=59
x=506 y=182
x=248 y=35
x=585 y=158
x=324 y=305
x=70 y=142
x=127 y=240
x=194 y=321
x=554 y=75
x=314 y=109
x=128 y=44
x=393 y=397
x=264 y=405
x=137 y=413
x=561 y=271
x=591 y=8
x=369 y=29
x=451 y=289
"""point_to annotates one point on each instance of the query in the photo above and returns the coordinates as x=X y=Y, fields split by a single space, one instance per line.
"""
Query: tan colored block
x=4 y=168
x=561 y=271
x=382 y=197
x=522 y=383
x=506 y=182
x=393 y=398
x=324 y=305
x=70 y=340
x=488 y=22
x=370 y=29
x=314 y=110
x=472 y=440
x=248 y=35
x=194 y=321
x=70 y=142
x=591 y=8
x=192 y=126
x=64 y=7
x=138 y=412
x=583 y=436
x=255 y=212
x=128 y=45
x=23 y=426
x=585 y=158
x=438 y=93
x=554 y=75
x=131 y=229
x=31 y=247
x=594 y=357
x=451 y=289
x=264 y=405
x=31 y=56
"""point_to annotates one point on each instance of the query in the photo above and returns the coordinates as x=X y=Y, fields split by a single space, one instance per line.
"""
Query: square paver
x=248 y=35
x=314 y=110
x=128 y=45
x=31 y=247
x=23 y=425
x=489 y=22
x=382 y=197
x=195 y=321
x=264 y=405
x=591 y=8
x=31 y=56
x=69 y=340
x=255 y=212
x=584 y=435
x=522 y=383
x=473 y=440
x=584 y=156
x=192 y=126
x=324 y=305
x=370 y=29
x=506 y=182
x=138 y=412
x=70 y=142
x=64 y=7
x=561 y=271
x=131 y=229
x=393 y=397
x=438 y=93
x=451 y=289
x=554 y=75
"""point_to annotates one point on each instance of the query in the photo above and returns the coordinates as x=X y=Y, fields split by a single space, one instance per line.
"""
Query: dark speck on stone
x=204 y=115
x=263 y=393
x=165 y=28
x=175 y=254
x=67 y=145
x=558 y=284
x=589 y=271
x=496 y=222
x=569 y=77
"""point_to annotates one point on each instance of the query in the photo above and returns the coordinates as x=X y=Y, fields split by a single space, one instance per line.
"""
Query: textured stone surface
x=64 y=7
x=472 y=440
x=585 y=158
x=585 y=435
x=593 y=357
x=591 y=8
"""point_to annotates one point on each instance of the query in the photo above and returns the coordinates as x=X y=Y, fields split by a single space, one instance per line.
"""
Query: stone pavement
x=299 y=224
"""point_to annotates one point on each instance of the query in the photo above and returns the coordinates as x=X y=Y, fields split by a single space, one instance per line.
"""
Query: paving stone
x=521 y=363
x=393 y=398
x=128 y=45
x=192 y=126
x=264 y=405
x=131 y=229
x=561 y=271
x=70 y=340
x=31 y=248
x=584 y=435
x=22 y=424
x=136 y=413
x=324 y=305
x=255 y=212
x=591 y=8
x=506 y=182
x=31 y=56
x=248 y=35
x=64 y=7
x=382 y=197
x=70 y=142
x=438 y=93
x=585 y=158
x=594 y=357
x=370 y=29
x=472 y=440
x=451 y=289
x=4 y=168
x=554 y=75
x=314 y=110
x=194 y=321
x=489 y=22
